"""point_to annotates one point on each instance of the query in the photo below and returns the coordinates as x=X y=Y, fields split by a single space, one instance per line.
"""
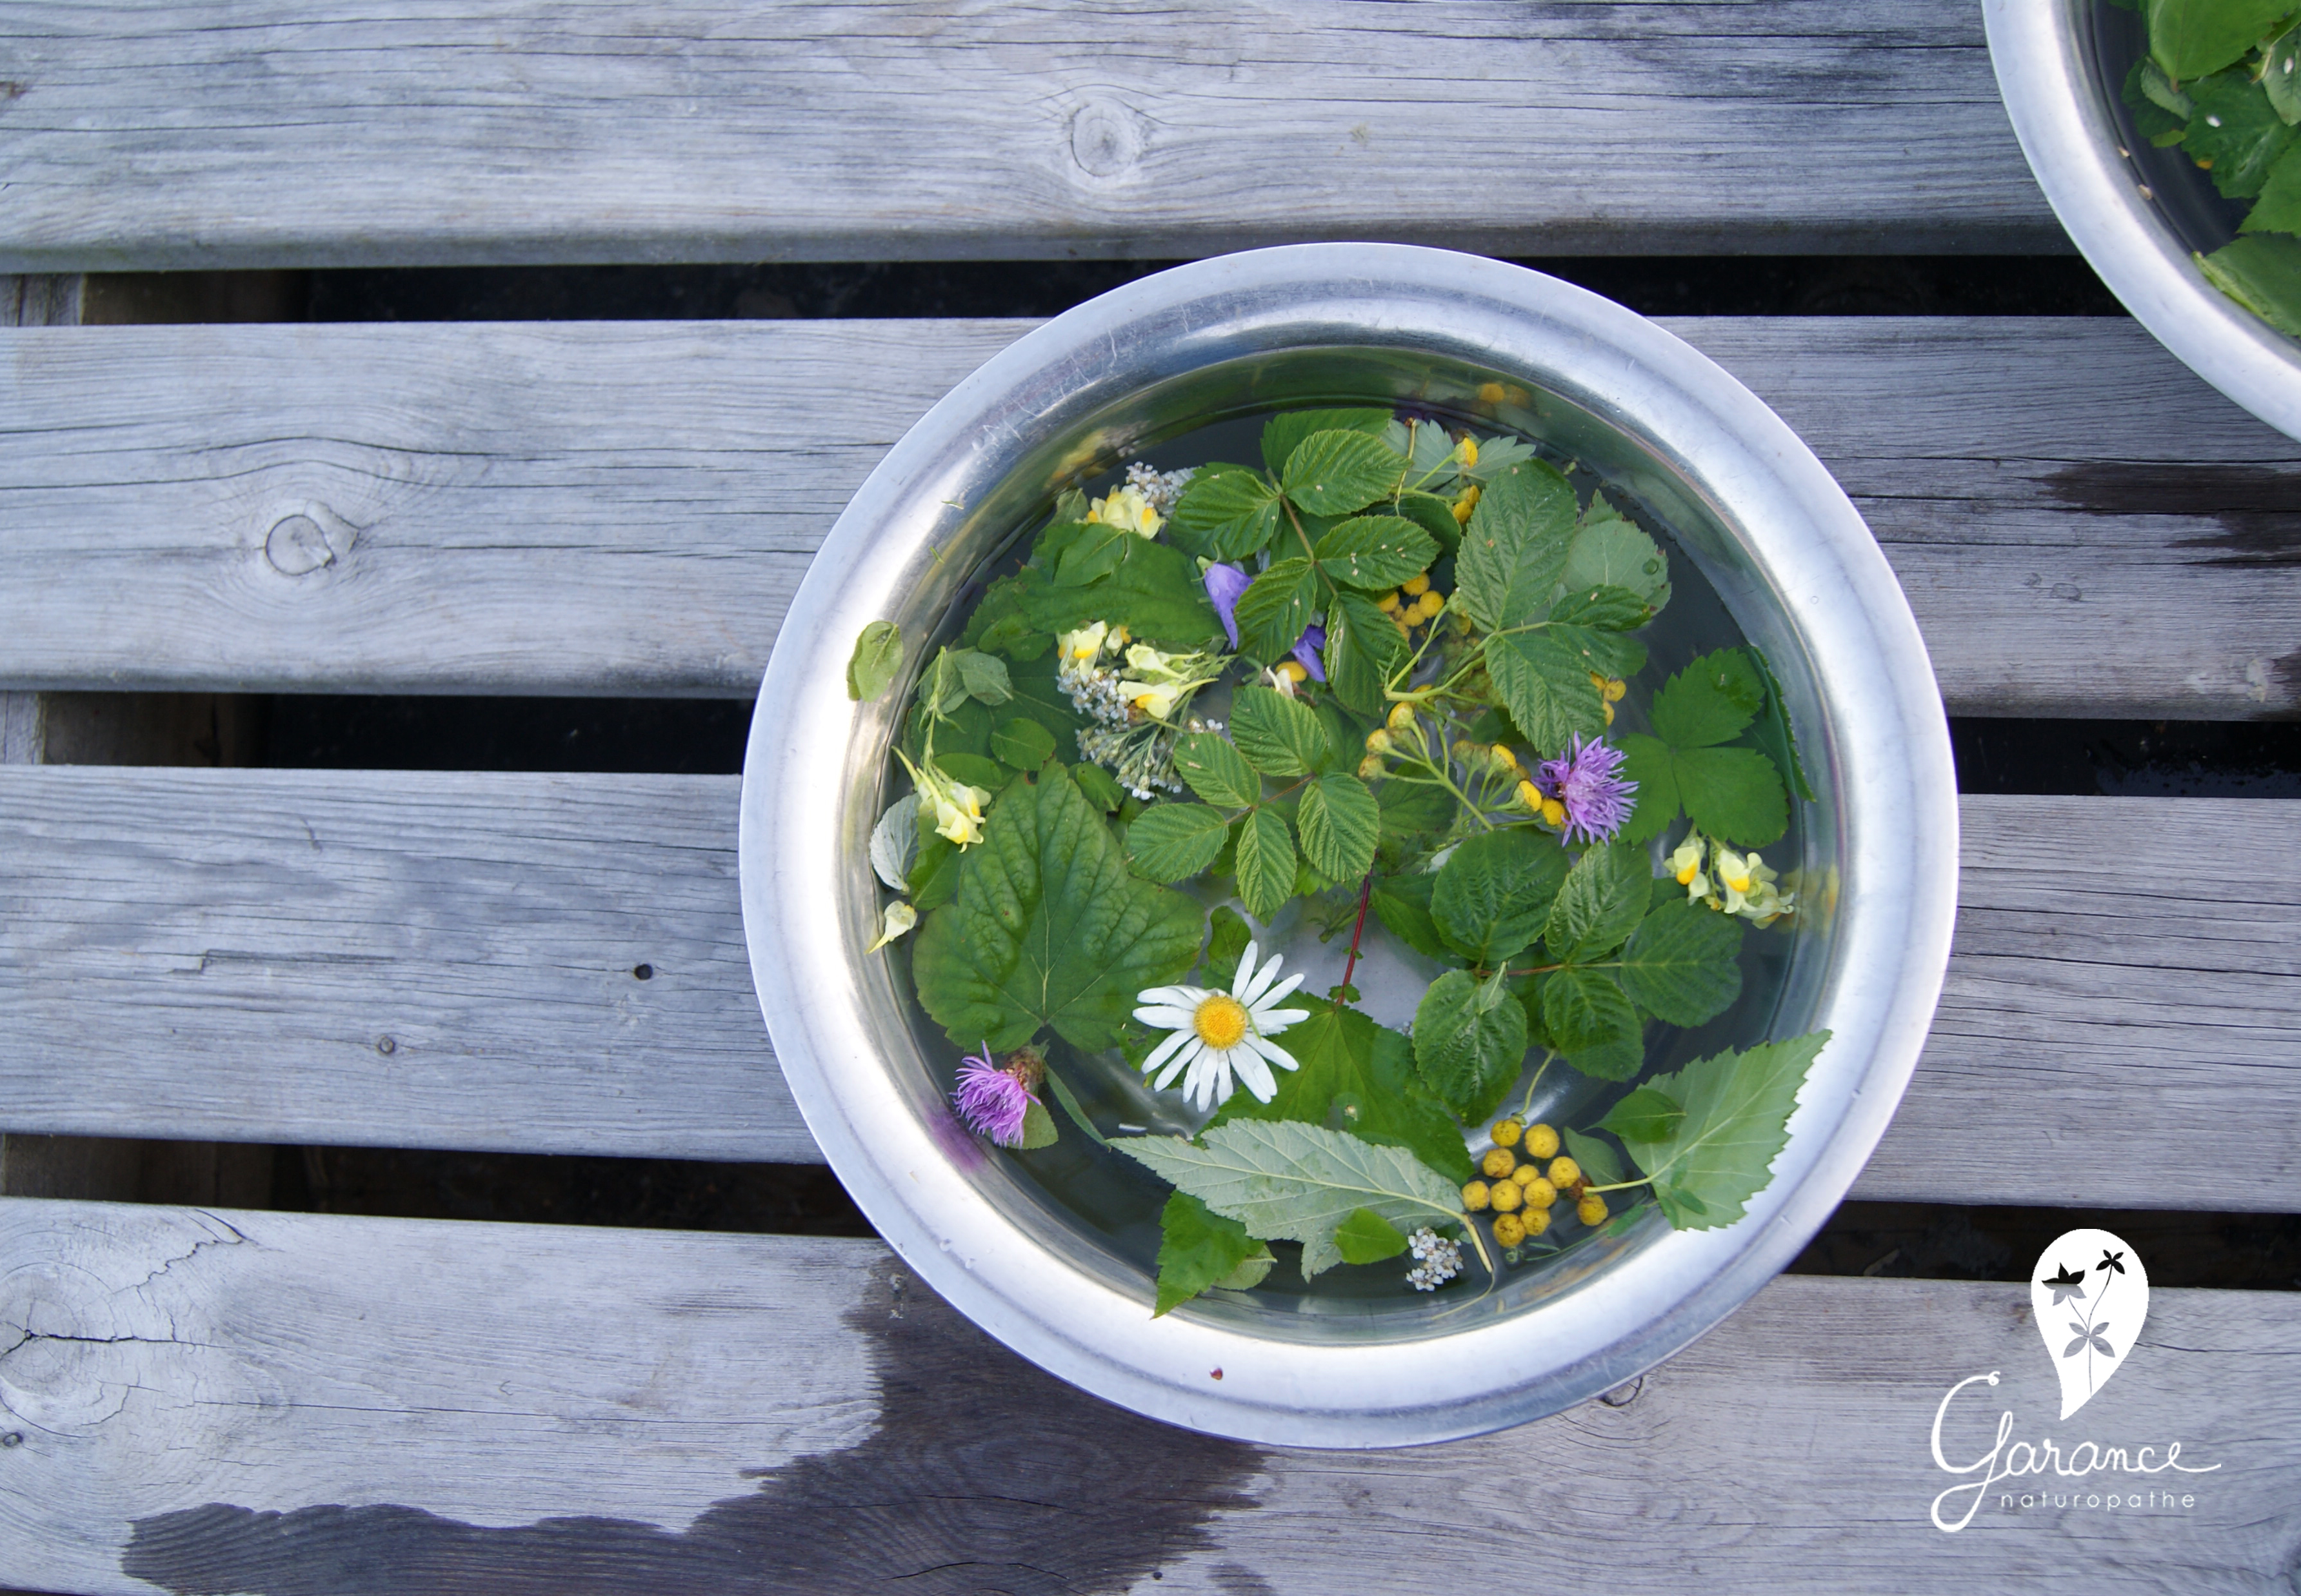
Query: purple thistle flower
x=1587 y=780
x=991 y=1100
x=1224 y=583
x=1307 y=648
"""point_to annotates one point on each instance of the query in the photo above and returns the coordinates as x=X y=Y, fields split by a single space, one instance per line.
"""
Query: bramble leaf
x=878 y=656
x=1155 y=592
x=1545 y=687
x=1278 y=735
x=1172 y=842
x=1604 y=609
x=1614 y=552
x=1680 y=965
x=1402 y=904
x=1363 y=647
x=1588 y=1020
x=1338 y=822
x=1514 y=546
x=1228 y=513
x=1297 y=1182
x=1375 y=552
x=1738 y=1106
x=1282 y=433
x=2262 y=272
x=1198 y=1250
x=2191 y=38
x=1276 y=608
x=1495 y=892
x=2236 y=130
x=1604 y=896
x=1469 y=1040
x=1265 y=864
x=1048 y=928
x=1216 y=770
x=1337 y=473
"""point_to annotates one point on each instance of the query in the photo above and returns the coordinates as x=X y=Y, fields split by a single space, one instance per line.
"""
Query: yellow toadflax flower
x=1083 y=645
x=1127 y=508
x=957 y=807
x=1685 y=866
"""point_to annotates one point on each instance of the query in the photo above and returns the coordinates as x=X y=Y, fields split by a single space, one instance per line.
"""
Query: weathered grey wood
x=227 y=954
x=2083 y=527
x=39 y=301
x=284 y=134
x=532 y=1409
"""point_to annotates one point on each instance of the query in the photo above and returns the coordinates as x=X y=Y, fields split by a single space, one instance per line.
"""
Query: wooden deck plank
x=281 y=133
x=2083 y=527
x=283 y=1403
x=446 y=960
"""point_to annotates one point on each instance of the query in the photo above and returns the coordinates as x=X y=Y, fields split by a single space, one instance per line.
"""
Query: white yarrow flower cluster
x=1159 y=488
x=1219 y=1034
x=1130 y=691
x=1437 y=1260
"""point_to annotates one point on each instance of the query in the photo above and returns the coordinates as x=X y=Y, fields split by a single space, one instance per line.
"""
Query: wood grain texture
x=2082 y=526
x=226 y=953
x=284 y=1404
x=285 y=134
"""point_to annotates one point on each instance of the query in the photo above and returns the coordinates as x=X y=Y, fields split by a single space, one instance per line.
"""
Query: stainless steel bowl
x=2138 y=234
x=1342 y=323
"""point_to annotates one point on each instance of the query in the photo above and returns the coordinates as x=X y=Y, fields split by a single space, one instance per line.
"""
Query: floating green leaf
x=1469 y=1040
x=1587 y=1018
x=1157 y=593
x=1297 y=1182
x=2278 y=210
x=1599 y=1160
x=1172 y=842
x=1375 y=552
x=2262 y=272
x=1646 y=1115
x=1737 y=1108
x=1198 y=1250
x=1100 y=790
x=878 y=656
x=1216 y=770
x=1038 y=1129
x=1337 y=472
x=1366 y=1237
x=1276 y=608
x=1363 y=647
x=1735 y=794
x=1514 y=547
x=1339 y=821
x=1603 y=609
x=2238 y=130
x=1024 y=744
x=1072 y=1107
x=1095 y=552
x=1604 y=896
x=1712 y=700
x=1774 y=734
x=1265 y=864
x=1434 y=515
x=1228 y=513
x=1681 y=963
x=1278 y=735
x=1283 y=433
x=1352 y=1075
x=1495 y=892
x=2192 y=38
x=1545 y=686
x=1402 y=904
x=1612 y=552
x=1048 y=928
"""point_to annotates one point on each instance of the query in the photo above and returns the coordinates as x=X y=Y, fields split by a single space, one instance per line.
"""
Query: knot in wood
x=1106 y=138
x=1622 y=1396
x=298 y=544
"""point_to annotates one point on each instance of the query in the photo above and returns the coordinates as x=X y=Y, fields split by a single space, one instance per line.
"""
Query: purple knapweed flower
x=1224 y=583
x=1587 y=780
x=1307 y=648
x=992 y=1101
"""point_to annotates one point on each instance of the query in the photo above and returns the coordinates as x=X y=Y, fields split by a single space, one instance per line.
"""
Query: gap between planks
x=446 y=960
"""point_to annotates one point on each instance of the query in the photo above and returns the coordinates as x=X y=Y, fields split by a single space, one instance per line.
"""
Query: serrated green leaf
x=1340 y=823
x=1681 y=965
x=1226 y=943
x=1607 y=653
x=1711 y=701
x=1600 y=509
x=878 y=656
x=972 y=769
x=1339 y=472
x=2237 y=131
x=1737 y=1110
x=1038 y=1129
x=1412 y=817
x=1587 y=1018
x=1352 y=1075
x=1278 y=735
x=1599 y=1160
x=1514 y=546
x=1048 y=928
x=1283 y=433
x=2280 y=73
x=1198 y=1250
x=1646 y=760
x=1172 y=842
x=1095 y=552
x=1157 y=593
x=1470 y=1047
x=1375 y=552
x=1775 y=735
x=1615 y=554
x=1735 y=794
x=1265 y=864
x=2152 y=119
x=1366 y=1237
x=1646 y=1115
x=1276 y=608
x=1099 y=787
x=1023 y=744
x=2279 y=209
x=1363 y=647
x=1497 y=455
x=1495 y=892
x=2192 y=38
x=1434 y=515
x=1402 y=904
x=1217 y=771
x=1287 y=1182
x=1603 y=609
x=2262 y=272
x=1228 y=513
x=1604 y=896
x=1546 y=688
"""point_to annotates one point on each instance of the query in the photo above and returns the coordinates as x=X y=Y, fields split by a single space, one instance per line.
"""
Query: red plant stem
x=1366 y=890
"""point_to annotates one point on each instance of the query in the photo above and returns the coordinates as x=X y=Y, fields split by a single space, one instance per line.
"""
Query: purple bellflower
x=1224 y=583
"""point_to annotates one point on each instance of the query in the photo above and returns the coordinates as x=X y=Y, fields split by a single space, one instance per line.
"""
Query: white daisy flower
x=1216 y=1033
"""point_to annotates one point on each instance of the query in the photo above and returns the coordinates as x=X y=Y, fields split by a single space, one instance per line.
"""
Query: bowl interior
x=1720 y=598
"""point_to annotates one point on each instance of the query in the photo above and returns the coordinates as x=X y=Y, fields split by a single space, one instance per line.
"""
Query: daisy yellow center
x=1221 y=1021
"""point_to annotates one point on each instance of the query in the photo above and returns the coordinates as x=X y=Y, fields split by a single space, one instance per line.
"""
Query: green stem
x=1526 y=1105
